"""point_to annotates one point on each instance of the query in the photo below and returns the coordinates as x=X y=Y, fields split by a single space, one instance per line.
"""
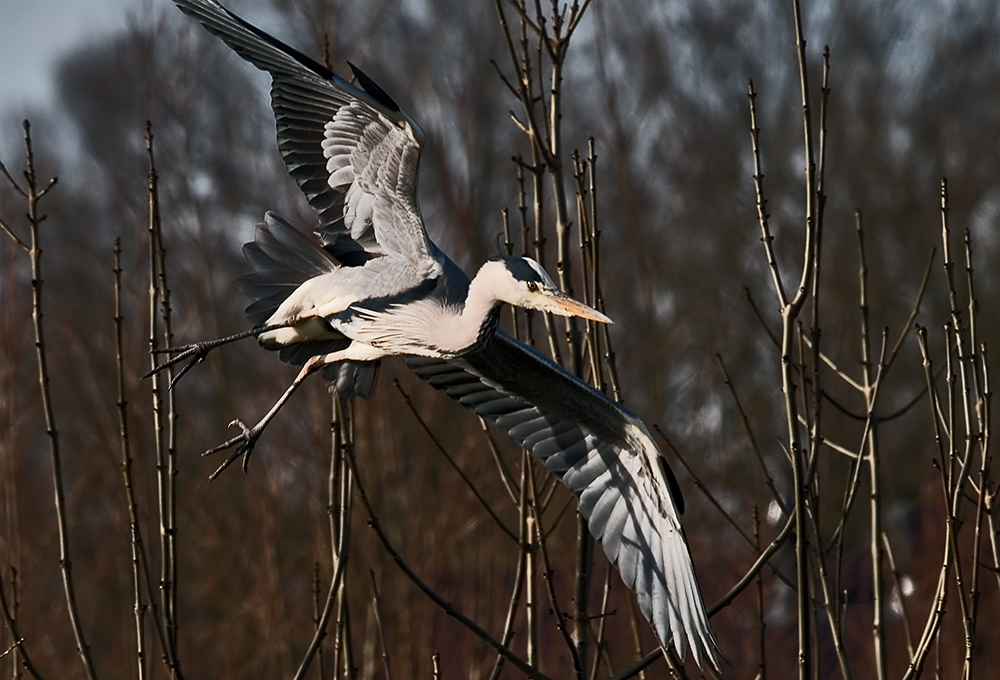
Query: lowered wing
x=350 y=148
x=605 y=456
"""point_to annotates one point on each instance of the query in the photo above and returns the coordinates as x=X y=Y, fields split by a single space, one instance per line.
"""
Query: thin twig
x=168 y=473
x=378 y=625
x=899 y=593
x=957 y=481
x=519 y=577
x=505 y=475
x=533 y=533
x=761 y=623
x=32 y=197
x=445 y=606
x=830 y=601
x=453 y=463
x=768 y=480
x=136 y=542
x=162 y=611
x=933 y=623
x=547 y=577
x=762 y=216
x=601 y=653
x=339 y=490
x=22 y=651
x=10 y=231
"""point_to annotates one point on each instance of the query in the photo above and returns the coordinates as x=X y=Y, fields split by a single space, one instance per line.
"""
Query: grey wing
x=605 y=456
x=351 y=150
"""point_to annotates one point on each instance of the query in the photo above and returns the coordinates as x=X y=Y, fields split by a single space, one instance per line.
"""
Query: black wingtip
x=207 y=14
x=369 y=86
x=674 y=486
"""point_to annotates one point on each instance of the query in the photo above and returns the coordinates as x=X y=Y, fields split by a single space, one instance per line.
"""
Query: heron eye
x=532 y=286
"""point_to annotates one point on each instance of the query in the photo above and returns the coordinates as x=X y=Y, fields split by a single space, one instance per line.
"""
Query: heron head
x=523 y=282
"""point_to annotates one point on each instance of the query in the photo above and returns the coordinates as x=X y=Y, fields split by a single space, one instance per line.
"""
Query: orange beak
x=562 y=304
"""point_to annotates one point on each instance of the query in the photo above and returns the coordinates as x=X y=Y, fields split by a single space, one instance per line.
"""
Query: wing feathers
x=313 y=105
x=604 y=456
x=603 y=510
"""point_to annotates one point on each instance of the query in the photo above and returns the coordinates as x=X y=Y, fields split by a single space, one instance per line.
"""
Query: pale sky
x=35 y=33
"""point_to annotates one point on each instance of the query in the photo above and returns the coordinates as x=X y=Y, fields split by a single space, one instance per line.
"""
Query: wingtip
x=372 y=88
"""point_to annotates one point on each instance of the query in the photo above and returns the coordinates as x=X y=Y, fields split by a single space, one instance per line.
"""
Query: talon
x=197 y=352
x=218 y=470
x=193 y=354
x=242 y=445
x=187 y=367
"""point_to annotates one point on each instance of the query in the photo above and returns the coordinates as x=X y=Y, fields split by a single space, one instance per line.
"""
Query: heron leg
x=195 y=353
x=245 y=441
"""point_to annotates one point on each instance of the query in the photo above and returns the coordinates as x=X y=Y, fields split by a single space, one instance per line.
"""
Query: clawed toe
x=195 y=353
x=191 y=354
x=243 y=443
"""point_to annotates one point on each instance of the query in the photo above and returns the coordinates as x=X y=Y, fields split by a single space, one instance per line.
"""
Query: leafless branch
x=164 y=411
x=32 y=196
x=445 y=606
x=22 y=651
x=136 y=542
x=451 y=461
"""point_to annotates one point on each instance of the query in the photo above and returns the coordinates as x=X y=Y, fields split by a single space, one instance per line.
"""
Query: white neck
x=479 y=302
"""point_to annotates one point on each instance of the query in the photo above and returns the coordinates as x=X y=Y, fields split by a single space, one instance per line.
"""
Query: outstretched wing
x=605 y=455
x=353 y=152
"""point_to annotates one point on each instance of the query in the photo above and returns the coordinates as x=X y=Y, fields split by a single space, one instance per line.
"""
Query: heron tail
x=284 y=258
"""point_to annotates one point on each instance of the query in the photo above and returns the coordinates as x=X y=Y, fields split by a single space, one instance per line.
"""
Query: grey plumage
x=372 y=284
x=596 y=447
x=283 y=259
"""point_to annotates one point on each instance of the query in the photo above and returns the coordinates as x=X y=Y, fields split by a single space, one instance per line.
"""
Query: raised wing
x=605 y=456
x=351 y=150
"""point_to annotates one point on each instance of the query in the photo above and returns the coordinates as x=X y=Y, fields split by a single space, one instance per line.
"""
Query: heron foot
x=192 y=355
x=243 y=443
x=195 y=353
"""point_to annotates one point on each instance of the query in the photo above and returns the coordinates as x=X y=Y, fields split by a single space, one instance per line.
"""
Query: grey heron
x=372 y=284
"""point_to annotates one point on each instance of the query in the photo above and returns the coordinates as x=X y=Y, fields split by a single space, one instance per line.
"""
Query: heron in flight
x=372 y=284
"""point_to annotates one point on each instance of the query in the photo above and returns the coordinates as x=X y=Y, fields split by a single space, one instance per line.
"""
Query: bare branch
x=762 y=217
x=445 y=606
x=10 y=232
x=525 y=530
x=32 y=197
x=451 y=461
x=22 y=651
x=136 y=542
x=768 y=480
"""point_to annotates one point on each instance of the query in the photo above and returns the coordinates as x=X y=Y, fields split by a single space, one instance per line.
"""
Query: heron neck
x=480 y=313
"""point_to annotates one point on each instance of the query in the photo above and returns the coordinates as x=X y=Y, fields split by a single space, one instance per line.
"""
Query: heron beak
x=562 y=304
